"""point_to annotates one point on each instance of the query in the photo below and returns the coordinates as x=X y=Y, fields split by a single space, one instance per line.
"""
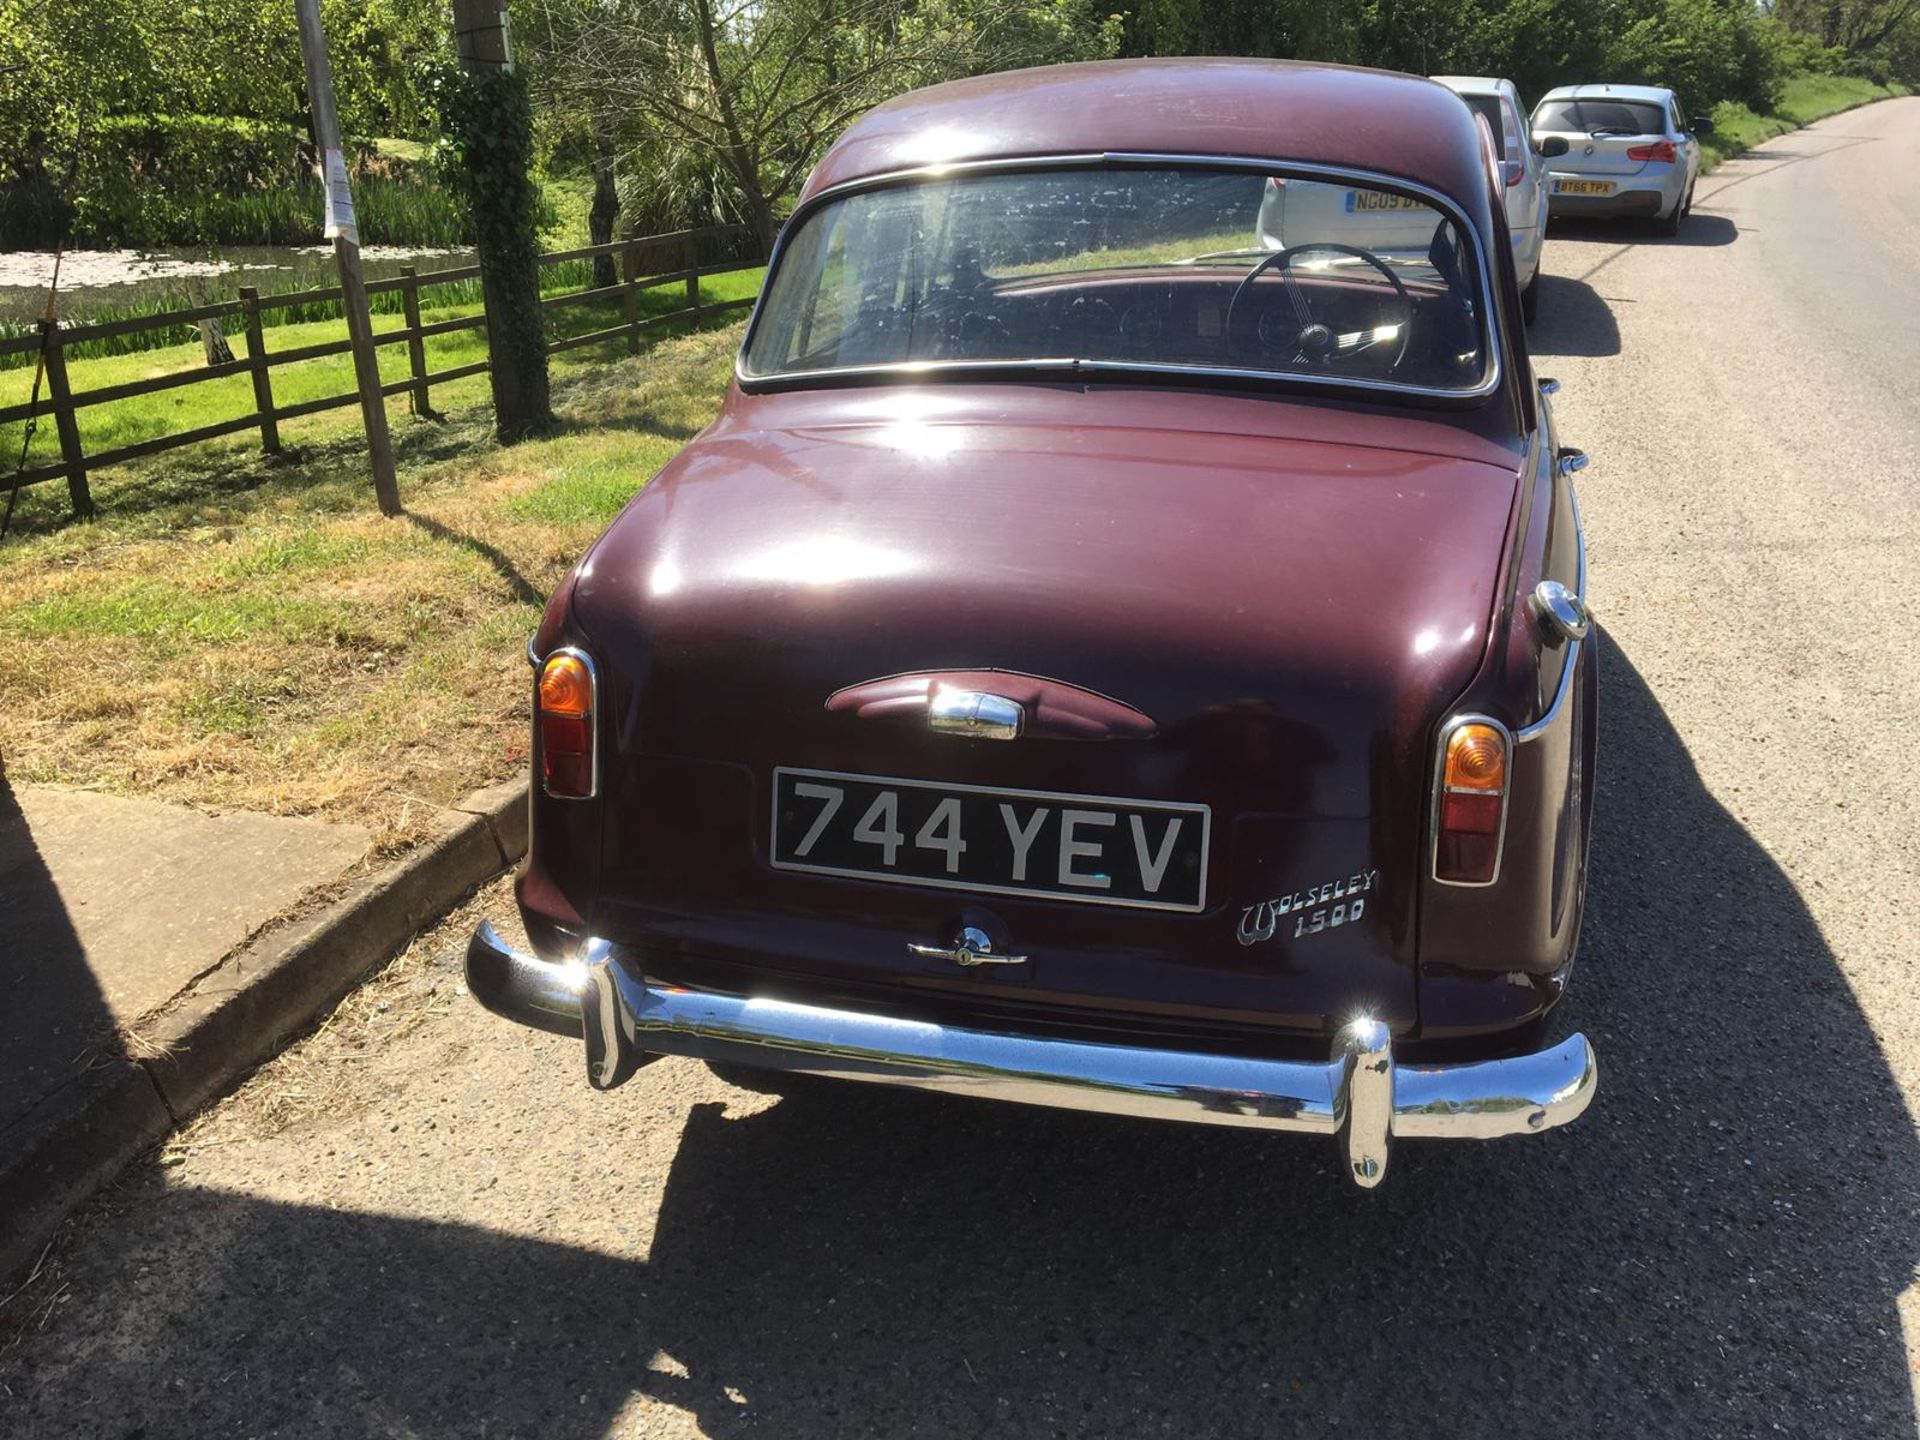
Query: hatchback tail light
x=1660 y=150
x=564 y=719
x=1471 y=802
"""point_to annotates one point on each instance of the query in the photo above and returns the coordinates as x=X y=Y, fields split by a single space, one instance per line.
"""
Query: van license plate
x=1094 y=849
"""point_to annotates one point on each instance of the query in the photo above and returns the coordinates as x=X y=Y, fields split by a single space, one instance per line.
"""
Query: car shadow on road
x=57 y=1033
x=1715 y=1249
x=1574 y=320
x=1703 y=228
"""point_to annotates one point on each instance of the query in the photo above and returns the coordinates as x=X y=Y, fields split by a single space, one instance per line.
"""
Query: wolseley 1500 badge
x=1316 y=908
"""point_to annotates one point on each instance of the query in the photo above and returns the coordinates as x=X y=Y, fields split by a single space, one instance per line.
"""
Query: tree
x=753 y=90
x=489 y=127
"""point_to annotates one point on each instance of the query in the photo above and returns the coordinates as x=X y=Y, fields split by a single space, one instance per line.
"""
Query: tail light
x=1660 y=150
x=1470 y=802
x=563 y=718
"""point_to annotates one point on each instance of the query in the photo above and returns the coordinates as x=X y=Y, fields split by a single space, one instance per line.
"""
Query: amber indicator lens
x=565 y=724
x=566 y=688
x=1473 y=804
x=1476 y=759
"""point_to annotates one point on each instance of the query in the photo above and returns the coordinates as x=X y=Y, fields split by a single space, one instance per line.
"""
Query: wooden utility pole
x=345 y=235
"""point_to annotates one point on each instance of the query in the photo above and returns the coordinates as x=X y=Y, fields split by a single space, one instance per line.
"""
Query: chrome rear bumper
x=1359 y=1096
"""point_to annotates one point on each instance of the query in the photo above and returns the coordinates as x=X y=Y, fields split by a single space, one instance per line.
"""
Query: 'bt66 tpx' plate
x=1148 y=854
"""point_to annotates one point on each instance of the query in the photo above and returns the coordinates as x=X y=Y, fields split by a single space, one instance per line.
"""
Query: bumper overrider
x=1360 y=1096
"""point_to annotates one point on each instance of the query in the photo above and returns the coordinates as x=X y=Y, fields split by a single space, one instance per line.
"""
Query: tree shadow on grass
x=522 y=589
x=1715 y=1249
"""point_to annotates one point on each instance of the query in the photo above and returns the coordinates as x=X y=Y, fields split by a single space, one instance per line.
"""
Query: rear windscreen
x=1488 y=108
x=1603 y=117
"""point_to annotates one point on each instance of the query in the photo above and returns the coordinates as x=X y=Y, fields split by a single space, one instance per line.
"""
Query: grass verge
x=238 y=632
x=1806 y=98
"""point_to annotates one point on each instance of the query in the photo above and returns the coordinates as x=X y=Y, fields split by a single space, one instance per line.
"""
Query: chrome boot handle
x=973 y=946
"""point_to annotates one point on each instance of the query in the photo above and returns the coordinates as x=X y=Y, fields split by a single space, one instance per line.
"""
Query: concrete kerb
x=240 y=1014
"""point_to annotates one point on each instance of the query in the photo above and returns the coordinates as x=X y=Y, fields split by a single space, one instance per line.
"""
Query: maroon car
x=1110 y=651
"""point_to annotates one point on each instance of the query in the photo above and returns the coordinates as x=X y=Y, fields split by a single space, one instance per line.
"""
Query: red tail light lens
x=564 y=718
x=1471 y=803
x=1659 y=150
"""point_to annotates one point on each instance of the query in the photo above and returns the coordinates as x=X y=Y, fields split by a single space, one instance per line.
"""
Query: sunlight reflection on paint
x=665 y=579
x=923 y=442
x=1425 y=641
x=825 y=560
x=938 y=145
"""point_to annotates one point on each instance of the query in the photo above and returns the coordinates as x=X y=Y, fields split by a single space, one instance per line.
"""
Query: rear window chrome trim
x=1489 y=384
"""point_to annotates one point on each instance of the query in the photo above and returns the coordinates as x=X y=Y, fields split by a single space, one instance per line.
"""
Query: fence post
x=257 y=367
x=693 y=278
x=630 y=262
x=416 y=347
x=61 y=394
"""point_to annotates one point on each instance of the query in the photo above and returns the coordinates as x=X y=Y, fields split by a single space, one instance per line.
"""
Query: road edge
x=1792 y=127
x=239 y=1015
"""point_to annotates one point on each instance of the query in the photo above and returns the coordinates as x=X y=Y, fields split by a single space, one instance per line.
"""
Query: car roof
x=1280 y=110
x=1476 y=84
x=1653 y=93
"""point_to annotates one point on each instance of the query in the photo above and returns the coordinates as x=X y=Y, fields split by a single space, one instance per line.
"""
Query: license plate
x=1146 y=854
x=1361 y=200
x=1583 y=187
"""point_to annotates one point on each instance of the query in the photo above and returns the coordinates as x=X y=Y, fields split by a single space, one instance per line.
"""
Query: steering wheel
x=1309 y=340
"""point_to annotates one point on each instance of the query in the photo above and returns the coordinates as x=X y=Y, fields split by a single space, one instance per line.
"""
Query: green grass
x=124 y=422
x=235 y=631
x=1806 y=98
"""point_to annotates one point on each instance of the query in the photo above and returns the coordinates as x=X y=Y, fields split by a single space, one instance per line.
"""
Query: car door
x=1683 y=140
x=1527 y=201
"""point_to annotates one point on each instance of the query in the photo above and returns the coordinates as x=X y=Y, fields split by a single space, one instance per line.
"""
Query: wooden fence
x=63 y=403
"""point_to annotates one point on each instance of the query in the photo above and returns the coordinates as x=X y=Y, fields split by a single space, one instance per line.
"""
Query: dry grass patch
x=267 y=641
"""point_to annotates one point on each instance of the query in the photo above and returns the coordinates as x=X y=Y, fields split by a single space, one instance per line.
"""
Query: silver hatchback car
x=1630 y=151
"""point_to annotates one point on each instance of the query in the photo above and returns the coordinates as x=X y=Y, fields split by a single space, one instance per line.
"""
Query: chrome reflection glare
x=1363 y=1096
x=825 y=560
x=1560 y=614
x=971 y=947
x=1366 y=1060
x=974 y=713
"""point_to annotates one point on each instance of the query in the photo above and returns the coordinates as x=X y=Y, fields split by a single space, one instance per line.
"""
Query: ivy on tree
x=488 y=124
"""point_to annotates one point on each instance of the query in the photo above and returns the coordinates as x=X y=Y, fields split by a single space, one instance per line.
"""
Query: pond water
x=96 y=282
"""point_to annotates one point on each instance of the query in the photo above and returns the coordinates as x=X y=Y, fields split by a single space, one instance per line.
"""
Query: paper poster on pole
x=339 y=211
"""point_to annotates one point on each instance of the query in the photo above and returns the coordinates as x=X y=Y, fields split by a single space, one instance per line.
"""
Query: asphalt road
x=422 y=1223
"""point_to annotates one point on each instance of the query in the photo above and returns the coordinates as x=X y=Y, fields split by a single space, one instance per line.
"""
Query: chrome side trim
x=593 y=732
x=1360 y=1096
x=1489 y=384
x=1453 y=723
x=1572 y=665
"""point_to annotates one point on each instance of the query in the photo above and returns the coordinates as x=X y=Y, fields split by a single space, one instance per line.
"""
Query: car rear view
x=1079 y=664
x=1629 y=153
